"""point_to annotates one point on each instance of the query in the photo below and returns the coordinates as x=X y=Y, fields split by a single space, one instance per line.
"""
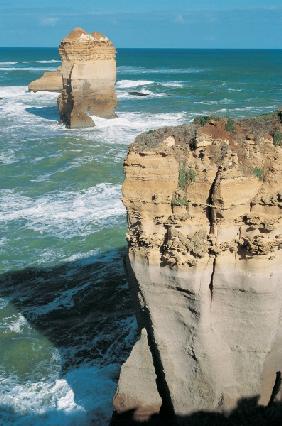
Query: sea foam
x=125 y=84
x=27 y=69
x=50 y=61
x=7 y=63
x=64 y=214
x=82 y=396
x=127 y=125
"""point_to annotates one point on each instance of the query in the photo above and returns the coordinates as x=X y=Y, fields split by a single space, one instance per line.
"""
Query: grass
x=202 y=120
x=277 y=138
x=179 y=201
x=258 y=172
x=186 y=176
x=230 y=125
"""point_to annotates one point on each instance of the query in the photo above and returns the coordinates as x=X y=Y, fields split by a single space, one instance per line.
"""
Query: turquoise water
x=66 y=320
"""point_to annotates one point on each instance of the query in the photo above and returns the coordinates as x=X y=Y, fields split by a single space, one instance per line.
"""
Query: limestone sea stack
x=89 y=77
x=204 y=204
x=50 y=81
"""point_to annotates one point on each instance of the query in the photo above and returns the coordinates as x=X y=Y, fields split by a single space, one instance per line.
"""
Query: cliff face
x=50 y=81
x=205 y=236
x=89 y=76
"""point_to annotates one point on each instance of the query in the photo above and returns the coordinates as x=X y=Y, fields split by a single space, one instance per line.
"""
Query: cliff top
x=254 y=144
x=79 y=35
x=234 y=132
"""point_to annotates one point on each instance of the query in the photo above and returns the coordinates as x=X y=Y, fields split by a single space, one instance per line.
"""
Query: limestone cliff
x=89 y=76
x=50 y=81
x=204 y=204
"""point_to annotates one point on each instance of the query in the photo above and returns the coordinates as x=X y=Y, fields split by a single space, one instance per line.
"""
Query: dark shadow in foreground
x=247 y=413
x=83 y=307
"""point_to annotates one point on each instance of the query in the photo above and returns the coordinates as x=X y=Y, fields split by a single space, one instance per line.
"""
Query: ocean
x=66 y=317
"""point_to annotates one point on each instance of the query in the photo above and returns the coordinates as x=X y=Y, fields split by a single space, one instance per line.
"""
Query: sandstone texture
x=137 y=389
x=89 y=76
x=204 y=204
x=50 y=81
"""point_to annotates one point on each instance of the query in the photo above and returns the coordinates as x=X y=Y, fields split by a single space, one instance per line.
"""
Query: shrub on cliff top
x=258 y=172
x=230 y=126
x=277 y=138
x=202 y=121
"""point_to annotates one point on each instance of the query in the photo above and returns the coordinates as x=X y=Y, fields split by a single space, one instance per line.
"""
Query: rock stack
x=89 y=76
x=204 y=204
x=86 y=79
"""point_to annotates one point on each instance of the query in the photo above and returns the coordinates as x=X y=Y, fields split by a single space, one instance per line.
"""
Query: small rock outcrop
x=89 y=76
x=204 y=204
x=138 y=94
x=50 y=81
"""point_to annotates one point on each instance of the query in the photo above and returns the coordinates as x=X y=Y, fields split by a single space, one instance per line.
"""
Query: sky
x=145 y=23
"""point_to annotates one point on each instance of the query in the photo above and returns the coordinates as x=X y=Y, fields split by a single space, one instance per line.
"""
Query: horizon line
x=154 y=48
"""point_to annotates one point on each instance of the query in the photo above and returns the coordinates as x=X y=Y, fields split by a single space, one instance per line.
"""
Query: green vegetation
x=258 y=172
x=230 y=125
x=178 y=201
x=186 y=176
x=202 y=120
x=277 y=138
x=191 y=175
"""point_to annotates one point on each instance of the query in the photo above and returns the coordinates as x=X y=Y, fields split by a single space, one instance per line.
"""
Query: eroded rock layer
x=89 y=76
x=205 y=236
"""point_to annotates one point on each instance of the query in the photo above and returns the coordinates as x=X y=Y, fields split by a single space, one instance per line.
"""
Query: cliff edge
x=204 y=204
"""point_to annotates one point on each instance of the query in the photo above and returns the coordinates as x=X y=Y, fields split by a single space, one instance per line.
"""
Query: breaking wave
x=64 y=214
x=125 y=84
x=27 y=69
x=80 y=397
x=50 y=61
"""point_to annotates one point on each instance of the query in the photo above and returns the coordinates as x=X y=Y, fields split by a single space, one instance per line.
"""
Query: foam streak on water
x=67 y=401
x=64 y=214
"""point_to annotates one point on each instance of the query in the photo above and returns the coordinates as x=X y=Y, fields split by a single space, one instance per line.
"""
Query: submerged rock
x=138 y=94
x=89 y=76
x=50 y=81
x=204 y=204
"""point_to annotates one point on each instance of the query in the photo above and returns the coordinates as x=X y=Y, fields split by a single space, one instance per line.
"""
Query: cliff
x=89 y=76
x=204 y=263
x=50 y=81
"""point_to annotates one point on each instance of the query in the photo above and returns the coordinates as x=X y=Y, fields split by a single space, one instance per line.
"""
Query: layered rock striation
x=89 y=76
x=204 y=204
x=50 y=81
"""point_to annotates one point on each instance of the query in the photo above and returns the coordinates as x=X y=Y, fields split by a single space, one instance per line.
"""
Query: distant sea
x=66 y=320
